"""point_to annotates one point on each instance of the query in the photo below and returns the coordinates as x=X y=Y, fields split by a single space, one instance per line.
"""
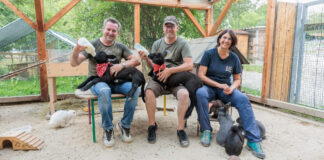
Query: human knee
x=149 y=93
x=241 y=99
x=182 y=94
x=201 y=93
x=105 y=92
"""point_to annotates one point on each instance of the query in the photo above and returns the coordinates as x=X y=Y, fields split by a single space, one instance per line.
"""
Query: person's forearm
x=132 y=62
x=182 y=68
x=149 y=62
x=210 y=82
x=74 y=59
x=236 y=84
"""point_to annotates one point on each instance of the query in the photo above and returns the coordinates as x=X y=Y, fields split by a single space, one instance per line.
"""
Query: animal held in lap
x=129 y=74
x=187 y=79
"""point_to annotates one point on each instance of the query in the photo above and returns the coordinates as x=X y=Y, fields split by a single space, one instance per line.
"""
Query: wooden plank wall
x=283 y=48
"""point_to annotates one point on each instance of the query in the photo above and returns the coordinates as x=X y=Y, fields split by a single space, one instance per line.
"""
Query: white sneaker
x=125 y=132
x=108 y=138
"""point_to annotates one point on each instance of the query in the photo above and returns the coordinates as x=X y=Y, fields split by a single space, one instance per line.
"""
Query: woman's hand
x=228 y=90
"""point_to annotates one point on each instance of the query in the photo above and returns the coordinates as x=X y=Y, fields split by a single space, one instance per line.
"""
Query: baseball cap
x=170 y=19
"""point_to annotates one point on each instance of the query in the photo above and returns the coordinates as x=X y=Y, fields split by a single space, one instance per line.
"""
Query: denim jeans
x=239 y=100
x=104 y=91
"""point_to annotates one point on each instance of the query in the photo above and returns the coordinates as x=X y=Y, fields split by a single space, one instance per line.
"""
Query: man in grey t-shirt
x=107 y=44
x=178 y=59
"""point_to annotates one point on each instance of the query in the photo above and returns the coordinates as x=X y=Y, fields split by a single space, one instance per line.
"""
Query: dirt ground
x=288 y=136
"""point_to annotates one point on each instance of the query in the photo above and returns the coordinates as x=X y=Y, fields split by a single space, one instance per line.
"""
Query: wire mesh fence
x=311 y=91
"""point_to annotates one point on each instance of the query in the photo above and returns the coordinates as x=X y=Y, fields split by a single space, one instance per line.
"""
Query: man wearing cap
x=178 y=59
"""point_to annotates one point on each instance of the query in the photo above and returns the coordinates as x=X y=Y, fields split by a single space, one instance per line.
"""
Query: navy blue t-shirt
x=220 y=70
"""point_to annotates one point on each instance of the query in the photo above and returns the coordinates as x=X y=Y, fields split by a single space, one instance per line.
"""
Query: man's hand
x=165 y=74
x=142 y=55
x=115 y=69
x=78 y=48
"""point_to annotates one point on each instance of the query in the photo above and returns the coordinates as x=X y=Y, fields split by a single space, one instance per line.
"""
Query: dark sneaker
x=125 y=133
x=183 y=138
x=256 y=149
x=108 y=138
x=205 y=138
x=151 y=137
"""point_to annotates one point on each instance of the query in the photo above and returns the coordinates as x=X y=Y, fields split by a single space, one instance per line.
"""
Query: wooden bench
x=65 y=69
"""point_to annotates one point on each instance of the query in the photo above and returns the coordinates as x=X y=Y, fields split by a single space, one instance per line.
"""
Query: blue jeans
x=237 y=99
x=104 y=91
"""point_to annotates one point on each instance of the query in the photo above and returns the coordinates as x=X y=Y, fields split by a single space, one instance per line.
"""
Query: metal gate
x=307 y=79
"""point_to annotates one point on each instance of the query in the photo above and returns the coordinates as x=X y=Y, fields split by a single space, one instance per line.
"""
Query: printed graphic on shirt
x=168 y=54
x=229 y=69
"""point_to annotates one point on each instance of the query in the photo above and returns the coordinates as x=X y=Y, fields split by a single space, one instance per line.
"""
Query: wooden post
x=41 y=48
x=221 y=17
x=137 y=23
x=271 y=13
x=208 y=20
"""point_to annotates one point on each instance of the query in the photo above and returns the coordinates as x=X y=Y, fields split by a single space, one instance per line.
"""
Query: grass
x=302 y=115
x=253 y=68
x=31 y=86
x=251 y=91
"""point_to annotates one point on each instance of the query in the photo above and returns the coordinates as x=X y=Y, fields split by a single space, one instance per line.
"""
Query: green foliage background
x=86 y=20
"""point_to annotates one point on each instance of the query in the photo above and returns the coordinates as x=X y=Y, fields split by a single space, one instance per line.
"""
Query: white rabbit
x=62 y=118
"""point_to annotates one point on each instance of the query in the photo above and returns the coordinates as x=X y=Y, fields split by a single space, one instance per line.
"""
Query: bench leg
x=89 y=111
x=164 y=105
x=93 y=122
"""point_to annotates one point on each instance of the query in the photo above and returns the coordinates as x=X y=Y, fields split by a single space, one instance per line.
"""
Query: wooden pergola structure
x=41 y=26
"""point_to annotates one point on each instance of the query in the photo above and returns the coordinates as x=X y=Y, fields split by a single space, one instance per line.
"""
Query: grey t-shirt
x=175 y=51
x=117 y=49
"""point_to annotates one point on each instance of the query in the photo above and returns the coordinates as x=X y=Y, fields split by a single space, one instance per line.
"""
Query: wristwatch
x=124 y=65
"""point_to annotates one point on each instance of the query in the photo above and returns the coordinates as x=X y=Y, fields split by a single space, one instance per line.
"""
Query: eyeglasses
x=227 y=38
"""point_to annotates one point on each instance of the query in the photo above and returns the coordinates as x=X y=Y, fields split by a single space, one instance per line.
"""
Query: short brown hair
x=231 y=33
x=112 y=20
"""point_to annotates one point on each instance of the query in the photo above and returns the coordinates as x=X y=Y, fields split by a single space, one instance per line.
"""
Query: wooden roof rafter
x=221 y=17
x=195 y=22
x=169 y=3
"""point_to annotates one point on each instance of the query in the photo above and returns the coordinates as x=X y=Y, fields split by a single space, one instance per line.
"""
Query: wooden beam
x=39 y=12
x=35 y=98
x=221 y=17
x=208 y=20
x=16 y=99
x=60 y=14
x=65 y=69
x=172 y=4
x=137 y=24
x=42 y=56
x=289 y=106
x=41 y=48
x=20 y=54
x=19 y=13
x=268 y=49
x=195 y=22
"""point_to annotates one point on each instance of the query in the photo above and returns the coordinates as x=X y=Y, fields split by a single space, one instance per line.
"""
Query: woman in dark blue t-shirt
x=216 y=68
